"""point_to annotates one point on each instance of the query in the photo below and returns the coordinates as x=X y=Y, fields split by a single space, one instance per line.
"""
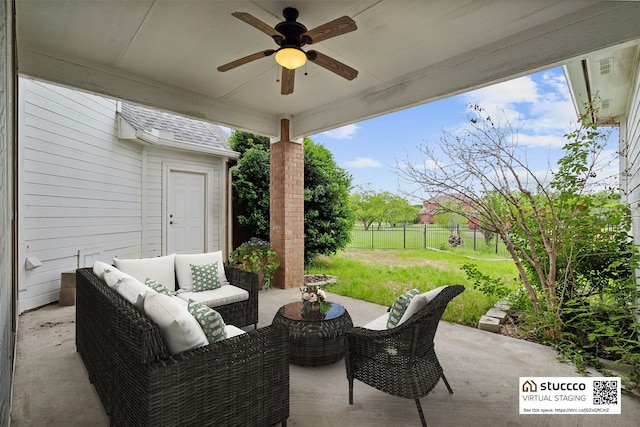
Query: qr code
x=605 y=392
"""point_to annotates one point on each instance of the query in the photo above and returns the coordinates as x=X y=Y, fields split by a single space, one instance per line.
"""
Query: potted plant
x=256 y=256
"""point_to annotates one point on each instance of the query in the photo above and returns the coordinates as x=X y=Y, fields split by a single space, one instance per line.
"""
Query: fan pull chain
x=278 y=74
x=306 y=64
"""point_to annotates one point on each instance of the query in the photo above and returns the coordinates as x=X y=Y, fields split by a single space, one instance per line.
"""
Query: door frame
x=208 y=172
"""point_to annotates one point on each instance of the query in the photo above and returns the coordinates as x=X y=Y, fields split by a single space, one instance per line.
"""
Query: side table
x=314 y=338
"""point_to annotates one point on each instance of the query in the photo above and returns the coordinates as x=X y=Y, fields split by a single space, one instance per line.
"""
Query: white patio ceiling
x=165 y=53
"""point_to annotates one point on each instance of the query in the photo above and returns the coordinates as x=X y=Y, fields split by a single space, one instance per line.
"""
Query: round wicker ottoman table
x=314 y=338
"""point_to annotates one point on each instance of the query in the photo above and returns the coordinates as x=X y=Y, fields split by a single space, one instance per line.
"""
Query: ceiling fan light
x=291 y=57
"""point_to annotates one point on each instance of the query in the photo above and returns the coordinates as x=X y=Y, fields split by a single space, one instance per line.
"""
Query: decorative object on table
x=319 y=279
x=313 y=300
x=257 y=256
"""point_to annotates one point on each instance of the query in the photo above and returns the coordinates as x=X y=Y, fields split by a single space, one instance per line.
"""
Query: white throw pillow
x=183 y=267
x=99 y=268
x=418 y=302
x=180 y=329
x=127 y=286
x=161 y=269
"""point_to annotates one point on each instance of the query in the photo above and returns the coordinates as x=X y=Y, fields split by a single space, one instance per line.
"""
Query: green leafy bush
x=257 y=257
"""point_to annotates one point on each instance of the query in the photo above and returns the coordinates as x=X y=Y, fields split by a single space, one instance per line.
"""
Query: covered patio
x=51 y=386
x=164 y=54
x=214 y=60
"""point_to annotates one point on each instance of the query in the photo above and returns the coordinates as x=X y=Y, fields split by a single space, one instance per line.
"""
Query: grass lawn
x=379 y=276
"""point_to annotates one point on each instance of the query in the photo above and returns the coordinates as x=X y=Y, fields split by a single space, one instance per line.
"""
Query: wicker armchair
x=400 y=361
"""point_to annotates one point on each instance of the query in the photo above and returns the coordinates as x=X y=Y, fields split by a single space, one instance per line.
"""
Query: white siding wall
x=630 y=137
x=80 y=187
x=85 y=194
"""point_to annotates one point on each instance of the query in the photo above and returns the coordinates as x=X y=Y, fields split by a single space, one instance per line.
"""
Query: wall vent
x=605 y=104
x=606 y=66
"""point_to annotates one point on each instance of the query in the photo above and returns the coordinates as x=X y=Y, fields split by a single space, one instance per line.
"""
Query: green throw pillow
x=205 y=277
x=157 y=286
x=400 y=306
x=210 y=320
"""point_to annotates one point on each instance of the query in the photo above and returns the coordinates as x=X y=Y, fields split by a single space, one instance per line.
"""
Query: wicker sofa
x=239 y=381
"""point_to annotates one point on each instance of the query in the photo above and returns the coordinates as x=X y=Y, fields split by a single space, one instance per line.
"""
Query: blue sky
x=540 y=104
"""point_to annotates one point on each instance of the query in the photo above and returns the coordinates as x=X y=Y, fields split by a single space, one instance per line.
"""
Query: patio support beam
x=287 y=208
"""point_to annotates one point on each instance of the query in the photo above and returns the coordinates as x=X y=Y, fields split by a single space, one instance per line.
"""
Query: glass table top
x=295 y=311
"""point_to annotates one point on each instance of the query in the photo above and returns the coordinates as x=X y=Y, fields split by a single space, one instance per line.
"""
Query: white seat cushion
x=233 y=331
x=214 y=298
x=183 y=267
x=418 y=302
x=161 y=269
x=180 y=329
x=378 y=324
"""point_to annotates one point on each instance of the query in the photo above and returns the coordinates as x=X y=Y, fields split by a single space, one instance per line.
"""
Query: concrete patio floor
x=51 y=387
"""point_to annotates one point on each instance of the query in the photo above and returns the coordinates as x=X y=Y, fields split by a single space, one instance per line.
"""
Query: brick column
x=287 y=208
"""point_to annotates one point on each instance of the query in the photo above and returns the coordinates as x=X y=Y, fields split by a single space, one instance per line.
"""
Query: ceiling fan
x=291 y=35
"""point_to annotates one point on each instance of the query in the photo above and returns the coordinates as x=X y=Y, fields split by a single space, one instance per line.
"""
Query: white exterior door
x=186 y=212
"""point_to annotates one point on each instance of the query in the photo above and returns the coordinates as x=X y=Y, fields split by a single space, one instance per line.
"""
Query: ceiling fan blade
x=331 y=64
x=330 y=29
x=246 y=59
x=258 y=24
x=288 y=77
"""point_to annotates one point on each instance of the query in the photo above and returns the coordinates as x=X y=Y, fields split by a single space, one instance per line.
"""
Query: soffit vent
x=606 y=66
x=605 y=104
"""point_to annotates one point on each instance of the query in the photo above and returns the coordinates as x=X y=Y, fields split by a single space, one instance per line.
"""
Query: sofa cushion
x=183 y=267
x=157 y=286
x=205 y=277
x=161 y=269
x=99 y=268
x=217 y=297
x=210 y=321
x=179 y=328
x=400 y=306
x=127 y=286
x=419 y=301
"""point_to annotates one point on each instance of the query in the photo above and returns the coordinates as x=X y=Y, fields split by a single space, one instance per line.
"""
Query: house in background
x=100 y=179
x=432 y=207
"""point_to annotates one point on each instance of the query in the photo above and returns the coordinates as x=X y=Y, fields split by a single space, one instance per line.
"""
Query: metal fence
x=422 y=236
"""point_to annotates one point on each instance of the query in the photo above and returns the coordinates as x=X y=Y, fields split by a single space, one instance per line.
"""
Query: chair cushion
x=127 y=286
x=157 y=286
x=419 y=301
x=183 y=267
x=223 y=295
x=400 y=306
x=161 y=269
x=181 y=331
x=233 y=331
x=210 y=321
x=379 y=323
x=205 y=277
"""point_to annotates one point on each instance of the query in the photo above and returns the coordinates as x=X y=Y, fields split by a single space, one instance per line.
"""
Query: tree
x=381 y=207
x=538 y=219
x=328 y=216
x=249 y=178
x=364 y=210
